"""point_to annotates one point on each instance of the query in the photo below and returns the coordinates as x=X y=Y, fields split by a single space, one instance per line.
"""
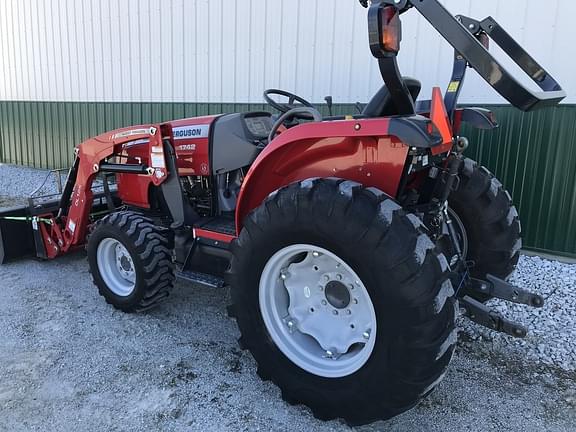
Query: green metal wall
x=534 y=154
x=44 y=134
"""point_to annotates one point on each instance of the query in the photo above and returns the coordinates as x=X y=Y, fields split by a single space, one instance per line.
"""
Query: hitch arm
x=501 y=289
x=480 y=314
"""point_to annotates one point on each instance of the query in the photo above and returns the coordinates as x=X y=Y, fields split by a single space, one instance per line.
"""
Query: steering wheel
x=302 y=112
x=284 y=108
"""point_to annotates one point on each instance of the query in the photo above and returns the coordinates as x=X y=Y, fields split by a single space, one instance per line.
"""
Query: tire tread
x=153 y=245
x=419 y=273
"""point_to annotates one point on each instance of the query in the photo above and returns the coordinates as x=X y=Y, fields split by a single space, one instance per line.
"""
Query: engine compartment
x=212 y=195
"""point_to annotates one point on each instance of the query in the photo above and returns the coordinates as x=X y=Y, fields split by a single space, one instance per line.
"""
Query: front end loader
x=351 y=243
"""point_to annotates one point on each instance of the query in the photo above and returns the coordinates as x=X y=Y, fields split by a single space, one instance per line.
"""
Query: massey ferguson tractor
x=350 y=244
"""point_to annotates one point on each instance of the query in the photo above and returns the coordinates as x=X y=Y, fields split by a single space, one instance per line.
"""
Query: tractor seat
x=381 y=104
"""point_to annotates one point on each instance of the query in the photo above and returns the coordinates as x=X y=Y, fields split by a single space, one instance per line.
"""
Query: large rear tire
x=490 y=220
x=130 y=260
x=351 y=256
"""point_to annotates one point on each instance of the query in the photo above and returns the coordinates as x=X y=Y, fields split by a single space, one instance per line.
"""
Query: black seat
x=381 y=104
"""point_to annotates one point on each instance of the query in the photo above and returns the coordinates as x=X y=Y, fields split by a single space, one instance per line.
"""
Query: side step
x=201 y=278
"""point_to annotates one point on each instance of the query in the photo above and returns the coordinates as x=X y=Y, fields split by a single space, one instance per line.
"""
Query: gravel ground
x=551 y=339
x=17 y=183
x=70 y=361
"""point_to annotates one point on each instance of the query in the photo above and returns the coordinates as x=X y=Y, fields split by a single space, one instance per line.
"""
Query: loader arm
x=91 y=159
x=51 y=228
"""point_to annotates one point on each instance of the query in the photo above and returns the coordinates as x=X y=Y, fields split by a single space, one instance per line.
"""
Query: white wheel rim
x=317 y=310
x=116 y=267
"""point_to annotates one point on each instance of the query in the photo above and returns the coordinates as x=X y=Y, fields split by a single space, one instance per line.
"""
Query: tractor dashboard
x=258 y=125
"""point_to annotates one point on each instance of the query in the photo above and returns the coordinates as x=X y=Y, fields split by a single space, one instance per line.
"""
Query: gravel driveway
x=69 y=361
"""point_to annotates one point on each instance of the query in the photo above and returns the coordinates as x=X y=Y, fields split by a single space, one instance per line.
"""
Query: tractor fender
x=361 y=150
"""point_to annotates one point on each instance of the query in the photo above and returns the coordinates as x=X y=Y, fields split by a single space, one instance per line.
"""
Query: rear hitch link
x=480 y=314
x=501 y=289
x=491 y=286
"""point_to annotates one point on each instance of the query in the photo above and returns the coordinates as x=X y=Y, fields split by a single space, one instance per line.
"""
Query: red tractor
x=351 y=244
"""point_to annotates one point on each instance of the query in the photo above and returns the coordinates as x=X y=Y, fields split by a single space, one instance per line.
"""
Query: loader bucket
x=16 y=234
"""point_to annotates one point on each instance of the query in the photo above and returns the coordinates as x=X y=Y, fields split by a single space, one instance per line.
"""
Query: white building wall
x=231 y=50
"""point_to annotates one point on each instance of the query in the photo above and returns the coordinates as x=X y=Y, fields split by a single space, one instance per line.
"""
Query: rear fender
x=479 y=118
x=360 y=150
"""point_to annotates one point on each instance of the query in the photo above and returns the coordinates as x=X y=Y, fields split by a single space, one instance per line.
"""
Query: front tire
x=331 y=231
x=130 y=261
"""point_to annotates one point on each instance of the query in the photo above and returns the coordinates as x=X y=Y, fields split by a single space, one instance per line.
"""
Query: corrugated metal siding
x=231 y=50
x=534 y=156
x=44 y=134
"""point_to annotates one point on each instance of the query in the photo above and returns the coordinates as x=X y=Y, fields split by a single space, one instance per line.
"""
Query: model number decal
x=185 y=147
x=193 y=131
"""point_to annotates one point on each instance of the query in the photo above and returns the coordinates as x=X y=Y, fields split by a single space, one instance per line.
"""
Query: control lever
x=328 y=100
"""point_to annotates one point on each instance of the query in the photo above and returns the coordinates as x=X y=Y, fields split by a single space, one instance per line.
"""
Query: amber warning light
x=384 y=30
x=391 y=29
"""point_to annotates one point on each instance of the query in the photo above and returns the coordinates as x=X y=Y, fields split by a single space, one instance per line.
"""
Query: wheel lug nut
x=366 y=335
x=320 y=287
x=326 y=277
x=351 y=286
x=315 y=254
x=355 y=301
x=324 y=302
x=339 y=276
x=329 y=354
x=335 y=312
x=284 y=275
x=348 y=312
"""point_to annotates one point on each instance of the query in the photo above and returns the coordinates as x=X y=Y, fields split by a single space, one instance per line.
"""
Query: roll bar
x=465 y=35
